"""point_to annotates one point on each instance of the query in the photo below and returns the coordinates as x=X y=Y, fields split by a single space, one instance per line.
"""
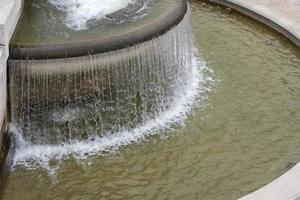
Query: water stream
x=85 y=106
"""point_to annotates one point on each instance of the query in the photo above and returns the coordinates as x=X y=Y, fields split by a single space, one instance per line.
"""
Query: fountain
x=80 y=80
x=140 y=21
x=86 y=78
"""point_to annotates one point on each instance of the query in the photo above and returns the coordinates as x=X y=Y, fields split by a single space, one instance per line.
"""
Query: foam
x=194 y=93
x=79 y=12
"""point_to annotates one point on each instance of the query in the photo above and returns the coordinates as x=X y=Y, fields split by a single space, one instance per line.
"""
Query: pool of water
x=244 y=135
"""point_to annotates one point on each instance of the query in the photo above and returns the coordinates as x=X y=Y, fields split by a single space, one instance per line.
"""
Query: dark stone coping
x=143 y=33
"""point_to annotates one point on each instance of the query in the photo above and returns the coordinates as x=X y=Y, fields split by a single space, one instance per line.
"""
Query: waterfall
x=83 y=106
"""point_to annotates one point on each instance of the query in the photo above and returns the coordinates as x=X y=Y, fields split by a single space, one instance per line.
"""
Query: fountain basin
x=236 y=116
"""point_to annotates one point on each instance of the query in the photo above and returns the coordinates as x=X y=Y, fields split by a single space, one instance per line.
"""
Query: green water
x=247 y=135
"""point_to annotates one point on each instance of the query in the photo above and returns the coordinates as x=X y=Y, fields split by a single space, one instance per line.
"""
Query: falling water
x=84 y=106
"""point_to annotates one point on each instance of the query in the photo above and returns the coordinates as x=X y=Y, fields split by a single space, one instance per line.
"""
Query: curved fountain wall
x=282 y=16
x=156 y=22
x=108 y=86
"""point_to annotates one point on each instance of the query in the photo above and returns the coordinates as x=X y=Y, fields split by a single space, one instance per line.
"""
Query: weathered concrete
x=10 y=11
x=284 y=17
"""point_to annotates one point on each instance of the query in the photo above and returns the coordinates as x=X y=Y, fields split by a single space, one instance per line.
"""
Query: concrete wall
x=10 y=12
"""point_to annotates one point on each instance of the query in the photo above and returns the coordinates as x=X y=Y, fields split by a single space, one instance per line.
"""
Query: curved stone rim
x=259 y=15
x=287 y=186
x=143 y=33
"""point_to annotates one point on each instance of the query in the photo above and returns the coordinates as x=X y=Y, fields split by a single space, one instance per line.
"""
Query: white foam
x=61 y=116
x=35 y=156
x=79 y=12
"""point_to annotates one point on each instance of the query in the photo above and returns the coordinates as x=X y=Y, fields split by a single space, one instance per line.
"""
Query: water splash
x=35 y=156
x=79 y=12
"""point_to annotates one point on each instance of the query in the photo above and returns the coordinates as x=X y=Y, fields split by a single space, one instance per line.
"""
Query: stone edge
x=287 y=186
x=142 y=34
x=10 y=18
x=261 y=15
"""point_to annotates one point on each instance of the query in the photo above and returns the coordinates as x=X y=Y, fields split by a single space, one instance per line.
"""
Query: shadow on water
x=6 y=161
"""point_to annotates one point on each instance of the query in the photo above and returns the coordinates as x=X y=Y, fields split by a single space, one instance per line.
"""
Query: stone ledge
x=286 y=187
x=268 y=15
x=158 y=25
x=10 y=12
